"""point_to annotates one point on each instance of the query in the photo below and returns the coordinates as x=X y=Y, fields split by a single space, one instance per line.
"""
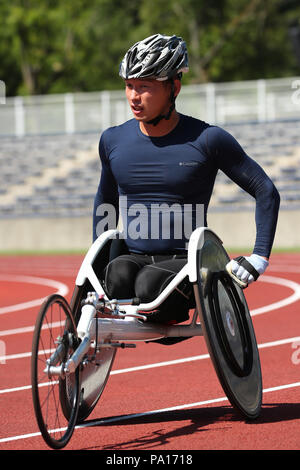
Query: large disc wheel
x=54 y=341
x=228 y=329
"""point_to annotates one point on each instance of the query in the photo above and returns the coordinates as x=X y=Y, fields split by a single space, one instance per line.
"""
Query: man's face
x=147 y=98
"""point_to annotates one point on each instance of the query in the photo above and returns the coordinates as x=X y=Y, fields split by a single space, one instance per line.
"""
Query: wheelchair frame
x=121 y=320
x=82 y=355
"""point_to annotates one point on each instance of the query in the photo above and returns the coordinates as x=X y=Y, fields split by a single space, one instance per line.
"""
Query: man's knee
x=153 y=278
x=119 y=277
x=150 y=282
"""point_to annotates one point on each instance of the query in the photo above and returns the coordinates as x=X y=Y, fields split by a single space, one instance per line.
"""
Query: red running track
x=176 y=403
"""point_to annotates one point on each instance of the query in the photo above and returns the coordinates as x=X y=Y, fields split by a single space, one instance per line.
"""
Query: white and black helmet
x=158 y=56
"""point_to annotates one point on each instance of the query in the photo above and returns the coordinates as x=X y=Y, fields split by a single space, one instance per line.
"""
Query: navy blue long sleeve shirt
x=177 y=173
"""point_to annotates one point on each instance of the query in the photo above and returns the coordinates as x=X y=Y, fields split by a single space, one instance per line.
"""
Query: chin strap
x=156 y=120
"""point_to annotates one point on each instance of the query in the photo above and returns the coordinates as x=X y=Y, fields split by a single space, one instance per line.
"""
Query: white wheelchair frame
x=121 y=320
x=82 y=358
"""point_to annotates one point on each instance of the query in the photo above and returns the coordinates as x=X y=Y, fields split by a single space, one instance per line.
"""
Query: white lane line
x=165 y=363
x=126 y=370
x=121 y=371
x=15 y=389
x=281 y=303
x=178 y=407
x=160 y=364
x=61 y=289
x=258 y=311
x=278 y=342
x=23 y=355
x=16 y=331
x=146 y=413
x=27 y=329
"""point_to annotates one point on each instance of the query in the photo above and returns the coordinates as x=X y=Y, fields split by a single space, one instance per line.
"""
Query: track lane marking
x=62 y=289
x=295 y=286
x=26 y=329
x=258 y=311
x=293 y=298
x=279 y=342
x=146 y=413
x=269 y=344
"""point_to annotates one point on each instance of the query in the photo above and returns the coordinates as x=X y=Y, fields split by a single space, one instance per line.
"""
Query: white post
x=120 y=112
x=105 y=110
x=2 y=92
x=19 y=116
x=210 y=103
x=69 y=113
x=221 y=109
x=271 y=106
x=261 y=101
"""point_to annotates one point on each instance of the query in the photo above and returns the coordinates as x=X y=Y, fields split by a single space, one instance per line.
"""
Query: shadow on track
x=198 y=420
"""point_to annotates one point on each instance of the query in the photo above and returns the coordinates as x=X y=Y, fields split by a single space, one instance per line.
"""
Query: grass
x=278 y=250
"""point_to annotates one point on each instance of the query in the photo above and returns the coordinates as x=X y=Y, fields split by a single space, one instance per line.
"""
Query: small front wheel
x=54 y=341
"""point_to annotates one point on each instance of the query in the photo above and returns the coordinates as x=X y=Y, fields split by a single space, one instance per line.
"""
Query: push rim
x=230 y=324
x=228 y=329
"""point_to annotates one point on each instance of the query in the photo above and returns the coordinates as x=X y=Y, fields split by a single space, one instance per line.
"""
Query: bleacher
x=276 y=147
x=48 y=175
x=58 y=175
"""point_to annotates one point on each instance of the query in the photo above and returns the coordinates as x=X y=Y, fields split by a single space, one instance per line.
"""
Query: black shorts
x=145 y=276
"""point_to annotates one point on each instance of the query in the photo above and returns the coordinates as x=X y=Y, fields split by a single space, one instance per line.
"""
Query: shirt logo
x=191 y=163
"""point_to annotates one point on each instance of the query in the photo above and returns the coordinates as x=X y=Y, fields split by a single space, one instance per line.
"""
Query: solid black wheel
x=54 y=341
x=228 y=329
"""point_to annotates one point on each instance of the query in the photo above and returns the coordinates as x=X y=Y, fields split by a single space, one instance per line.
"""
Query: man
x=162 y=159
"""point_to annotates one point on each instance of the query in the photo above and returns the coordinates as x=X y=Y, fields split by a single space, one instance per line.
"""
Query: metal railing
x=216 y=103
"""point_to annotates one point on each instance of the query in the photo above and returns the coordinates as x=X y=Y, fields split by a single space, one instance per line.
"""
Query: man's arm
x=240 y=168
x=106 y=203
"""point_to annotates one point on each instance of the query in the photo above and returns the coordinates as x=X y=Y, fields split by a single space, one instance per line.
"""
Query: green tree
x=228 y=39
x=50 y=46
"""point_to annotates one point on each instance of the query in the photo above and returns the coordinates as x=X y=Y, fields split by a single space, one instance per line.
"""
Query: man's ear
x=177 y=87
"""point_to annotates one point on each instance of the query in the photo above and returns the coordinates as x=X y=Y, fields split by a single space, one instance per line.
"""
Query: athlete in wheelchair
x=141 y=281
x=165 y=159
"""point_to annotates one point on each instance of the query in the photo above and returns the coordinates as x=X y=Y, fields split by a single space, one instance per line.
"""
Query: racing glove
x=245 y=270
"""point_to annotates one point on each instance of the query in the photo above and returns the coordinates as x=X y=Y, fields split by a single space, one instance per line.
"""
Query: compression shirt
x=172 y=178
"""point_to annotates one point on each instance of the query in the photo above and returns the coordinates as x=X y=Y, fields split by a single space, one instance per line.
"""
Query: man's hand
x=245 y=270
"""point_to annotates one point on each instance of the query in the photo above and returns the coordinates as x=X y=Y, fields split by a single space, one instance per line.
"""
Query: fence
x=216 y=103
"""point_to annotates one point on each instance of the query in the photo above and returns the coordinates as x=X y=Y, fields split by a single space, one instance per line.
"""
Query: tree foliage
x=50 y=46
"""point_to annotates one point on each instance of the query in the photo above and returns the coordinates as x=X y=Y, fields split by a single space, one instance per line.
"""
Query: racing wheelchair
x=74 y=345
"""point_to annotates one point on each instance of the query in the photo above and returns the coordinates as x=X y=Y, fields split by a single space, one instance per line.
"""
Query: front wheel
x=95 y=373
x=54 y=341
